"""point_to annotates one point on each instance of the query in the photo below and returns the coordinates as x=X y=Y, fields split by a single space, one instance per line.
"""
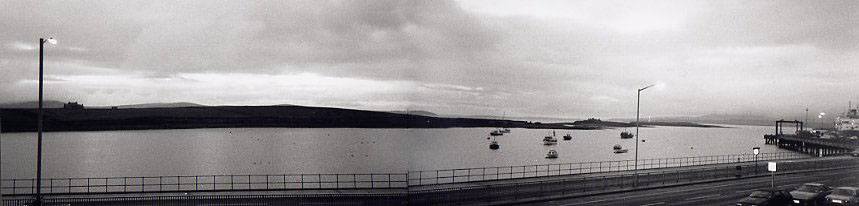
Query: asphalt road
x=716 y=193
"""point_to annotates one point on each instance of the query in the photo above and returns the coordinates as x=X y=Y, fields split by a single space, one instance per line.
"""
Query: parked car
x=855 y=153
x=767 y=197
x=843 y=196
x=810 y=194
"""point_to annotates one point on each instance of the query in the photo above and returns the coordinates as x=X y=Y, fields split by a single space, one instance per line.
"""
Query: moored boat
x=568 y=137
x=618 y=149
x=552 y=154
x=626 y=135
x=549 y=140
x=496 y=133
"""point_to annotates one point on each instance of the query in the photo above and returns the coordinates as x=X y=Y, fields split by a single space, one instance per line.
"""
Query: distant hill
x=733 y=119
x=161 y=105
x=98 y=119
x=416 y=112
x=32 y=104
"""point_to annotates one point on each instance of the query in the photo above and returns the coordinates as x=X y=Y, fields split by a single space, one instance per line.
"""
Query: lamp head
x=756 y=150
x=52 y=40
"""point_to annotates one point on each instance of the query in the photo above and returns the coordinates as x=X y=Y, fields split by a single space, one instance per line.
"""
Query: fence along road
x=685 y=169
x=433 y=177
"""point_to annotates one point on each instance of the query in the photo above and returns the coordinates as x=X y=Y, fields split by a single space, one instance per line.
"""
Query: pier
x=805 y=142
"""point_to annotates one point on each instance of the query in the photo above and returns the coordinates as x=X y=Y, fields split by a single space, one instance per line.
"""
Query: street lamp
x=756 y=151
x=637 y=112
x=42 y=42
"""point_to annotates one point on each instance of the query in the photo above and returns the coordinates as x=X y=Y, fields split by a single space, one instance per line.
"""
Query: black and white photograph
x=429 y=102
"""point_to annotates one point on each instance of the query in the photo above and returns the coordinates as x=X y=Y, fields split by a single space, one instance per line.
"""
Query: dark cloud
x=437 y=55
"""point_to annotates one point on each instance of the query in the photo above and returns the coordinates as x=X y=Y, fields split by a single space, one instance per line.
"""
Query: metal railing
x=355 y=181
x=432 y=177
x=511 y=192
x=205 y=183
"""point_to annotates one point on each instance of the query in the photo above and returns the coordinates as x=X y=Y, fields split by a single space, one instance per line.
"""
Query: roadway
x=714 y=193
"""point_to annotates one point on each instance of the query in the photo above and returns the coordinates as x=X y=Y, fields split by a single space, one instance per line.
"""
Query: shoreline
x=63 y=120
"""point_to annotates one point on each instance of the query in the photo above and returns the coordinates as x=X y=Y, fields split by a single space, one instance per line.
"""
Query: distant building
x=73 y=105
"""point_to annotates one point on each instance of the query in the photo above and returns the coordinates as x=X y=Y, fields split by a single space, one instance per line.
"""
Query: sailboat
x=504 y=130
x=550 y=140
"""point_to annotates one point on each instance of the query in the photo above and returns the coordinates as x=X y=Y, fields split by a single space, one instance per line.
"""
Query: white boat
x=618 y=149
x=549 y=140
x=505 y=130
x=552 y=154
x=496 y=133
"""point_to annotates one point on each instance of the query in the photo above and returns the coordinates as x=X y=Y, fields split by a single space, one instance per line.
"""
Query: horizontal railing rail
x=205 y=183
x=506 y=193
x=433 y=177
x=356 y=181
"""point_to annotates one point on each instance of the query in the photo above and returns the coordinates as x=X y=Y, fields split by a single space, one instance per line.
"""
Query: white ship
x=847 y=125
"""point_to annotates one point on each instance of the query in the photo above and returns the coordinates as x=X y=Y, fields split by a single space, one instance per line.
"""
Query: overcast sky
x=525 y=58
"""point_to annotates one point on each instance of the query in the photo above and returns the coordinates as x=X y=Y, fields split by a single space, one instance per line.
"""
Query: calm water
x=345 y=150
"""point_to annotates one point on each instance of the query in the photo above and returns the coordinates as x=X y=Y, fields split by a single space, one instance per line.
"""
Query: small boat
x=496 y=133
x=626 y=135
x=568 y=137
x=505 y=130
x=552 y=154
x=494 y=145
x=549 y=140
x=618 y=149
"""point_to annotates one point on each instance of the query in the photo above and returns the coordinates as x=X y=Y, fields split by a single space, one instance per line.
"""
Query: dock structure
x=805 y=142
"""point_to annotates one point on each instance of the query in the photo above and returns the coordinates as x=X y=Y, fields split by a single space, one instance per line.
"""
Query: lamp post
x=637 y=112
x=756 y=151
x=42 y=42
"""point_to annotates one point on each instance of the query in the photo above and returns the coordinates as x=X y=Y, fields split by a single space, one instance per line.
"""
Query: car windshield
x=845 y=192
x=810 y=188
x=761 y=194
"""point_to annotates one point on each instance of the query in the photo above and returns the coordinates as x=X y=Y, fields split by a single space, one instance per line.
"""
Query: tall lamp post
x=637 y=112
x=756 y=151
x=42 y=42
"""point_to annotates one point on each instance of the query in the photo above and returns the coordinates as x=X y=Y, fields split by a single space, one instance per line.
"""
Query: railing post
x=160 y=183
x=483 y=177
x=373 y=182
x=319 y=179
x=266 y=181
